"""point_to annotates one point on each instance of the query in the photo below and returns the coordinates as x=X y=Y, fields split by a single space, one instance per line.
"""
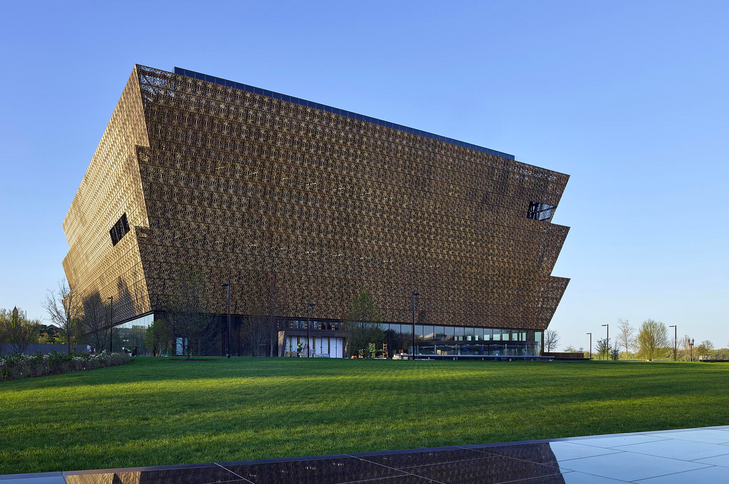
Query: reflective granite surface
x=675 y=456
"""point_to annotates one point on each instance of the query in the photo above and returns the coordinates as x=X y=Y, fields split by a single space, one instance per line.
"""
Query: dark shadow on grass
x=191 y=359
x=578 y=376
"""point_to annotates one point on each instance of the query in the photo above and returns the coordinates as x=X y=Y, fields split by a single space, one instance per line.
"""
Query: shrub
x=15 y=366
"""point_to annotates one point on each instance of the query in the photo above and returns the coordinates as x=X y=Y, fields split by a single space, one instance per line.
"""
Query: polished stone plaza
x=674 y=456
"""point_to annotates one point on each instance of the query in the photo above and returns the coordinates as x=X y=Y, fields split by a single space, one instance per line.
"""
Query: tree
x=64 y=308
x=48 y=334
x=722 y=354
x=362 y=323
x=157 y=336
x=3 y=324
x=602 y=349
x=705 y=349
x=256 y=334
x=188 y=310
x=95 y=320
x=570 y=349
x=261 y=330
x=625 y=337
x=18 y=330
x=685 y=344
x=652 y=338
x=551 y=339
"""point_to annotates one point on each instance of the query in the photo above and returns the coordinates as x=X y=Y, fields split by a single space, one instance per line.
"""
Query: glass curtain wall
x=459 y=340
x=429 y=340
x=131 y=336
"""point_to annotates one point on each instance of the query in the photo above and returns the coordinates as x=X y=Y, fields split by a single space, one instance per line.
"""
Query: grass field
x=159 y=411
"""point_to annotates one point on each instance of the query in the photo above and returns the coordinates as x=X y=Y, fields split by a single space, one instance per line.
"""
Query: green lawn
x=158 y=411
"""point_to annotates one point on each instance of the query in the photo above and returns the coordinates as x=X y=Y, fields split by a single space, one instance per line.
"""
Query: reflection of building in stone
x=297 y=202
x=132 y=477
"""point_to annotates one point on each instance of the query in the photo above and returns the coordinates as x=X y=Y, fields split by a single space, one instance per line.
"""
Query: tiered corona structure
x=251 y=186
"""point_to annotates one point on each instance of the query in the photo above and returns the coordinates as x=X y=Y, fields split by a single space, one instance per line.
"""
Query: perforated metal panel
x=111 y=187
x=244 y=185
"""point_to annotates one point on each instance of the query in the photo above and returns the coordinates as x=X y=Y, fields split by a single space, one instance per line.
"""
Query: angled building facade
x=278 y=194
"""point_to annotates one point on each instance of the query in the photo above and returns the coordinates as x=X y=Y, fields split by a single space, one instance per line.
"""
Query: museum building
x=306 y=205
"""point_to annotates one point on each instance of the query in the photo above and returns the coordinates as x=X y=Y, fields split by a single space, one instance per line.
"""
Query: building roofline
x=342 y=112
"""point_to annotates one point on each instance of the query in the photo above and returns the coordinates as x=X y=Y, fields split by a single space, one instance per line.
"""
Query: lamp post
x=415 y=294
x=590 y=345
x=308 y=325
x=691 y=346
x=111 y=323
x=227 y=333
x=675 y=335
x=607 y=341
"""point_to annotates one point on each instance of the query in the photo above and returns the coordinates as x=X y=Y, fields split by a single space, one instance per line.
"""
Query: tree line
x=650 y=341
x=73 y=321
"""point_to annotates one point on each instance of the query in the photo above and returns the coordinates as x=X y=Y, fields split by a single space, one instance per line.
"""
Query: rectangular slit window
x=119 y=230
x=540 y=211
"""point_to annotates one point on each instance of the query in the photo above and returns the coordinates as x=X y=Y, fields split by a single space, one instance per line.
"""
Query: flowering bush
x=17 y=366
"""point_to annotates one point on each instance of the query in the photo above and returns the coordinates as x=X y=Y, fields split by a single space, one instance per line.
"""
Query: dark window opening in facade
x=540 y=211
x=119 y=230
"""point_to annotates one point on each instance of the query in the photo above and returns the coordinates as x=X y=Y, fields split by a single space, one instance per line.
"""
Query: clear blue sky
x=629 y=98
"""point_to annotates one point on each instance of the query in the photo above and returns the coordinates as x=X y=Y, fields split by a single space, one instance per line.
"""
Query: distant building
x=278 y=194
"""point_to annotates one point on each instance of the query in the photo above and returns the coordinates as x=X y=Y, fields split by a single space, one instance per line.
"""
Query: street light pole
x=227 y=284
x=590 y=345
x=415 y=294
x=111 y=324
x=607 y=355
x=308 y=325
x=691 y=346
x=675 y=336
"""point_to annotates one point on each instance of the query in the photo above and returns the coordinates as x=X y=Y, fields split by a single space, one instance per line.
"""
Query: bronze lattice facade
x=246 y=184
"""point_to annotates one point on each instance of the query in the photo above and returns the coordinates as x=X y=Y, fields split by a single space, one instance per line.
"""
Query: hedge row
x=13 y=367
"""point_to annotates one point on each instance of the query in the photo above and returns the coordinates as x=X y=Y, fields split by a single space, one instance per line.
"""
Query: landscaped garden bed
x=16 y=366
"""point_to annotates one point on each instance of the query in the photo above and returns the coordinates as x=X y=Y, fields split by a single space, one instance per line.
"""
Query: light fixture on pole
x=111 y=323
x=590 y=345
x=691 y=346
x=415 y=294
x=675 y=347
x=227 y=333
x=308 y=325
